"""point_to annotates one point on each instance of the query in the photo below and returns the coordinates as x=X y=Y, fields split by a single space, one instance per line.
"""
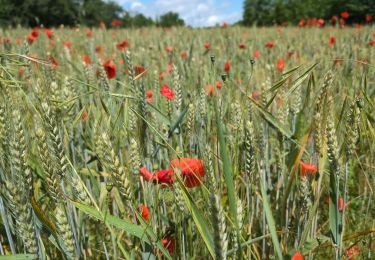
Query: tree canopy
x=269 y=12
x=52 y=13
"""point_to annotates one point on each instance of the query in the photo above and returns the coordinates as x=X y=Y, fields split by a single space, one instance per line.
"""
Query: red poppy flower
x=169 y=49
x=116 y=23
x=110 y=69
x=241 y=45
x=98 y=49
x=192 y=170
x=21 y=70
x=225 y=24
x=7 y=40
x=88 y=33
x=68 y=44
x=353 y=252
x=161 y=177
x=209 y=89
x=297 y=256
x=53 y=61
x=255 y=94
x=86 y=59
x=334 y=18
x=280 y=65
x=256 y=54
x=368 y=18
x=84 y=116
x=167 y=92
x=122 y=45
x=332 y=41
x=147 y=175
x=138 y=70
x=161 y=75
x=149 y=95
x=289 y=54
x=35 y=32
x=340 y=203
x=219 y=84
x=301 y=22
x=307 y=169
x=345 y=15
x=170 y=67
x=227 y=66
x=320 y=22
x=169 y=243
x=49 y=33
x=30 y=39
x=145 y=212
x=270 y=44
x=371 y=42
x=183 y=54
x=207 y=45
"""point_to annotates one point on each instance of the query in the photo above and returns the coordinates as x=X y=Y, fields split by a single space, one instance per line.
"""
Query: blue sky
x=195 y=12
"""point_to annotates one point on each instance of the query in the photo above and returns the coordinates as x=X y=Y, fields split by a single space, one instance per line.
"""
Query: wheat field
x=222 y=143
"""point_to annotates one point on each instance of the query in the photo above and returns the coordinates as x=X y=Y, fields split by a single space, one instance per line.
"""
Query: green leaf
x=132 y=229
x=227 y=170
x=334 y=216
x=199 y=220
x=301 y=78
x=313 y=243
x=271 y=222
x=273 y=120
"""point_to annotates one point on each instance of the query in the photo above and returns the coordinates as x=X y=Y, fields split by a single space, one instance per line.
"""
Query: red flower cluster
x=183 y=54
x=86 y=59
x=116 y=23
x=280 y=65
x=308 y=169
x=345 y=15
x=32 y=36
x=145 y=212
x=227 y=66
x=110 y=69
x=123 y=45
x=167 y=92
x=191 y=171
x=49 y=33
x=297 y=256
x=340 y=203
x=269 y=44
x=332 y=41
x=138 y=69
x=149 y=95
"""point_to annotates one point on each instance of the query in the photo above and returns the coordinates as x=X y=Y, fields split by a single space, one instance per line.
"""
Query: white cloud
x=136 y=6
x=194 y=12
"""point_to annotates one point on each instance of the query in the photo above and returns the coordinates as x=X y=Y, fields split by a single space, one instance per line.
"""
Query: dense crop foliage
x=184 y=143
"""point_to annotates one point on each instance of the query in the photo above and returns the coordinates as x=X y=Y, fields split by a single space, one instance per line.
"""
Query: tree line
x=52 y=13
x=270 y=12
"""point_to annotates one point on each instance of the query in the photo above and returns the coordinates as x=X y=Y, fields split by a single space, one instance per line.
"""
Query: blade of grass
x=271 y=222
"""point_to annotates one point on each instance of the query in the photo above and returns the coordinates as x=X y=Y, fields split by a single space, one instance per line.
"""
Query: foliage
x=269 y=12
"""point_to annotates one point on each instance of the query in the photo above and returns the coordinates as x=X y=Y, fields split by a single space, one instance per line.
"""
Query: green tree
x=95 y=11
x=171 y=19
x=257 y=12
